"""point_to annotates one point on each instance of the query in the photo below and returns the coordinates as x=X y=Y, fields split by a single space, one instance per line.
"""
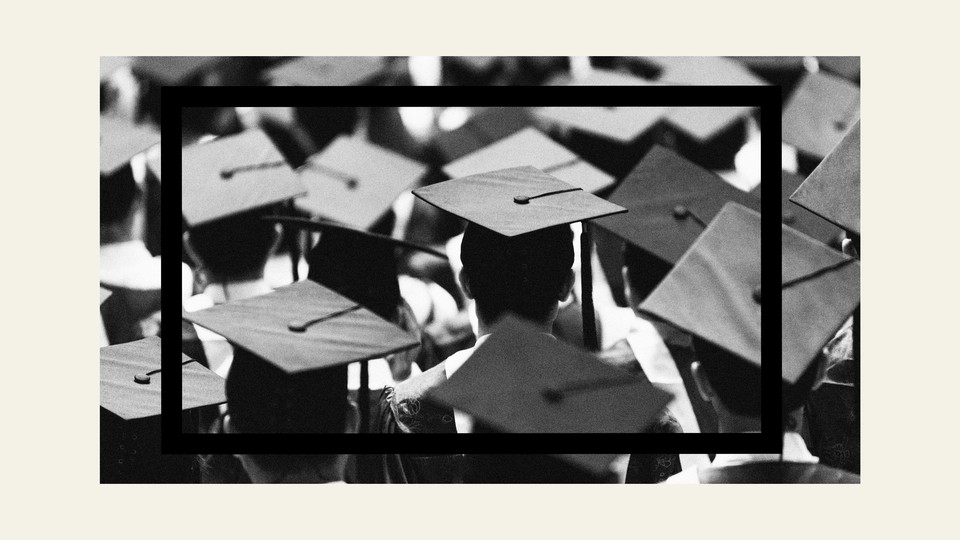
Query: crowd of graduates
x=416 y=270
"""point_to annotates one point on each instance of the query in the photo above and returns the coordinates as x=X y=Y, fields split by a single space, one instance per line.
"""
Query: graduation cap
x=671 y=201
x=120 y=141
x=522 y=380
x=833 y=189
x=327 y=70
x=820 y=289
x=600 y=77
x=714 y=290
x=360 y=265
x=130 y=379
x=820 y=111
x=619 y=124
x=130 y=382
x=482 y=129
x=845 y=66
x=530 y=147
x=799 y=218
x=230 y=175
x=173 y=70
x=703 y=123
x=520 y=200
x=784 y=63
x=354 y=182
x=304 y=326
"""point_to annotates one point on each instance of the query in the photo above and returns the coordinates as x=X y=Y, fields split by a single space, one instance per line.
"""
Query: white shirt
x=129 y=265
x=794 y=450
x=462 y=421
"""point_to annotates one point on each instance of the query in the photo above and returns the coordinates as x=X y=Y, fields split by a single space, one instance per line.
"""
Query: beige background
x=909 y=281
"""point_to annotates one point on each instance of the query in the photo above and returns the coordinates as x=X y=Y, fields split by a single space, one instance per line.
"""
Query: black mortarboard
x=671 y=201
x=820 y=288
x=521 y=380
x=130 y=379
x=360 y=265
x=833 y=189
x=713 y=292
x=819 y=112
x=530 y=147
x=233 y=174
x=482 y=129
x=354 y=182
x=121 y=140
x=304 y=326
x=799 y=218
x=327 y=70
x=520 y=200
x=173 y=70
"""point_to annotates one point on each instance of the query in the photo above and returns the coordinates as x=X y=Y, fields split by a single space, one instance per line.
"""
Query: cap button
x=552 y=395
x=141 y=379
x=756 y=294
x=840 y=125
x=680 y=211
x=521 y=199
x=226 y=174
x=788 y=217
x=352 y=184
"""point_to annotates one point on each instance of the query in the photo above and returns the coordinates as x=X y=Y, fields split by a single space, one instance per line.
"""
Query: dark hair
x=234 y=246
x=644 y=271
x=262 y=398
x=119 y=194
x=521 y=274
x=736 y=381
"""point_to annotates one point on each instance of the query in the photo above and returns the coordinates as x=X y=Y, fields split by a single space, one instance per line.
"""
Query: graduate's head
x=262 y=398
x=727 y=381
x=527 y=275
x=642 y=272
x=120 y=197
x=233 y=248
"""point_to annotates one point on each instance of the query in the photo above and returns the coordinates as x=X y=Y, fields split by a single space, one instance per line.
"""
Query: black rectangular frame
x=767 y=98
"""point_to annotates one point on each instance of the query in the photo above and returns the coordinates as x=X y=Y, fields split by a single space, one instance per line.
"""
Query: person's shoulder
x=417 y=386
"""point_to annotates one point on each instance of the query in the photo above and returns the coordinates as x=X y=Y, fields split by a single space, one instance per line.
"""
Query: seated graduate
x=517 y=256
x=714 y=293
x=523 y=380
x=226 y=239
x=262 y=398
x=293 y=346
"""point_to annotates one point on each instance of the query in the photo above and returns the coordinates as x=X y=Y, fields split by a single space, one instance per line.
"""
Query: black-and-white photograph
x=466 y=271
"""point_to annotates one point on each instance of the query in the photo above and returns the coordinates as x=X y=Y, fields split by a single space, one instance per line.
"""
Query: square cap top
x=521 y=380
x=797 y=217
x=530 y=147
x=120 y=140
x=833 y=189
x=704 y=71
x=600 y=77
x=714 y=290
x=516 y=201
x=845 y=66
x=819 y=112
x=233 y=174
x=703 y=123
x=820 y=288
x=353 y=181
x=783 y=63
x=304 y=326
x=173 y=70
x=130 y=380
x=619 y=124
x=671 y=201
x=482 y=129
x=327 y=70
x=104 y=294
